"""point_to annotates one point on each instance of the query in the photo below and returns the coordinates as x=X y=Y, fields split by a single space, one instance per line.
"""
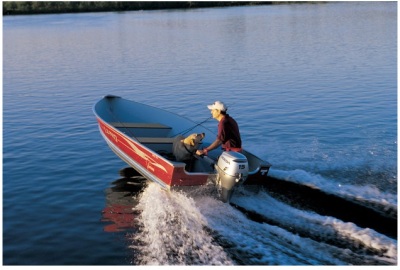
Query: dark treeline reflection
x=38 y=7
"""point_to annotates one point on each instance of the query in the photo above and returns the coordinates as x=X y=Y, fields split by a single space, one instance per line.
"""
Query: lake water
x=312 y=86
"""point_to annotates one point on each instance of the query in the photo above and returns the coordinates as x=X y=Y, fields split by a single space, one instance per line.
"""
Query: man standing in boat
x=228 y=130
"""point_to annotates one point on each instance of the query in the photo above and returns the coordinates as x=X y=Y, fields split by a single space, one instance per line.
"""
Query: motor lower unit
x=232 y=168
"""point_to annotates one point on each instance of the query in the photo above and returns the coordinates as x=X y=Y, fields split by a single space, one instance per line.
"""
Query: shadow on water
x=312 y=199
x=121 y=198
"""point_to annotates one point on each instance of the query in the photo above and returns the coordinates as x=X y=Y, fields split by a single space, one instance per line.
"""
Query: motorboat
x=143 y=137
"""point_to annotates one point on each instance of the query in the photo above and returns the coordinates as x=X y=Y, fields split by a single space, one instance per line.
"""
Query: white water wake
x=368 y=195
x=354 y=245
x=173 y=231
x=177 y=230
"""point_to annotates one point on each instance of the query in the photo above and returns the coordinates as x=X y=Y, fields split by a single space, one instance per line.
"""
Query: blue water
x=313 y=88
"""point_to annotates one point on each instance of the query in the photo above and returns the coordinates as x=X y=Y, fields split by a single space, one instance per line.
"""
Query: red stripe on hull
x=151 y=161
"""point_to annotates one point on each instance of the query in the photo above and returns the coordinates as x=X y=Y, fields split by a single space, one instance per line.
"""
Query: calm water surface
x=313 y=88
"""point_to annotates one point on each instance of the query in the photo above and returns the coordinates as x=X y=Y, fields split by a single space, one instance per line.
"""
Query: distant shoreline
x=39 y=7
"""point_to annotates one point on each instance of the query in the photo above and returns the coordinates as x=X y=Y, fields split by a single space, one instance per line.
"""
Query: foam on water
x=367 y=194
x=179 y=230
x=254 y=243
x=173 y=231
x=357 y=241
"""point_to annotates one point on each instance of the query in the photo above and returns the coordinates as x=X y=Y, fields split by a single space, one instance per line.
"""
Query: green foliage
x=37 y=7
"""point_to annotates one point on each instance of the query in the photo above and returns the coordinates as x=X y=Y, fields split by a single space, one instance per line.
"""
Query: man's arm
x=212 y=146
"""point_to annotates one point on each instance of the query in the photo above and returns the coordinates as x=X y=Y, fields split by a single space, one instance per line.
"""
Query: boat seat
x=155 y=140
x=138 y=125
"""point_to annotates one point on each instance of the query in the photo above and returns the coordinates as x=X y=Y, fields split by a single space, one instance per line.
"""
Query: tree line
x=40 y=7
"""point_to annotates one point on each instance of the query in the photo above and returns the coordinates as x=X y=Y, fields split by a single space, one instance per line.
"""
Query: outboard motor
x=232 y=168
